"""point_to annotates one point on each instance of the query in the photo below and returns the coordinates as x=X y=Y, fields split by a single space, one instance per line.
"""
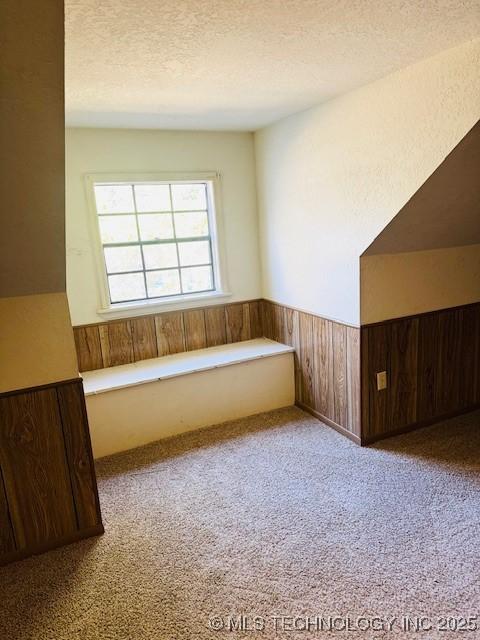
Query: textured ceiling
x=241 y=64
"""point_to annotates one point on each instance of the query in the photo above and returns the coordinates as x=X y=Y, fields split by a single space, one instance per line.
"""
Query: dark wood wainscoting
x=327 y=364
x=48 y=490
x=433 y=370
x=123 y=341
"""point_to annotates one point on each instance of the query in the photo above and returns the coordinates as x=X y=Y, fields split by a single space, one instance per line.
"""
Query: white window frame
x=167 y=303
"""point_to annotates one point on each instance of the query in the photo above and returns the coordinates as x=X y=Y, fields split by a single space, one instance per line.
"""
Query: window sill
x=124 y=310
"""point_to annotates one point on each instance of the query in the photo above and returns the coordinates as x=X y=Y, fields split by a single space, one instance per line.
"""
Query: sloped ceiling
x=445 y=211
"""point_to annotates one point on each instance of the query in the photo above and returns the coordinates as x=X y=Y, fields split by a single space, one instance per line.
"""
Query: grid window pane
x=156 y=227
x=197 y=279
x=128 y=286
x=163 y=283
x=116 y=229
x=120 y=259
x=160 y=256
x=189 y=197
x=192 y=253
x=114 y=198
x=191 y=224
x=155 y=238
x=152 y=197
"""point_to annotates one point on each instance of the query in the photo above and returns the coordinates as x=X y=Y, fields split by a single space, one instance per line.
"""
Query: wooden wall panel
x=292 y=338
x=324 y=371
x=339 y=348
x=170 y=333
x=144 y=338
x=7 y=541
x=255 y=315
x=403 y=376
x=48 y=491
x=215 y=326
x=238 y=322
x=433 y=363
x=353 y=381
x=122 y=341
x=89 y=350
x=34 y=468
x=117 y=343
x=307 y=360
x=195 y=332
x=79 y=454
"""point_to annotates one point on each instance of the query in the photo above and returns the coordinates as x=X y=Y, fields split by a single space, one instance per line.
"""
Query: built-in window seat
x=133 y=404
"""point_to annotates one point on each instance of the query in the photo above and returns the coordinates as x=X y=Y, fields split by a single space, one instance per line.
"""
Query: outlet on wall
x=381 y=380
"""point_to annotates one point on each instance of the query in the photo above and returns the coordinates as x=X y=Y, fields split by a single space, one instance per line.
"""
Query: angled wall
x=331 y=178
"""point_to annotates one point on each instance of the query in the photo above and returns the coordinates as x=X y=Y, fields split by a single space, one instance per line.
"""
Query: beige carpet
x=269 y=516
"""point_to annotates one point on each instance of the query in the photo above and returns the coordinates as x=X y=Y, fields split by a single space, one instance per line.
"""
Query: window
x=158 y=239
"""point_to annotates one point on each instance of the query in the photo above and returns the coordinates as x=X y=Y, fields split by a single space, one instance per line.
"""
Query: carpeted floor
x=275 y=515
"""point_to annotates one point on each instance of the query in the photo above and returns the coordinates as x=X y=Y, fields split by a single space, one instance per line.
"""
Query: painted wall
x=36 y=337
x=403 y=284
x=32 y=243
x=330 y=178
x=111 y=150
x=36 y=341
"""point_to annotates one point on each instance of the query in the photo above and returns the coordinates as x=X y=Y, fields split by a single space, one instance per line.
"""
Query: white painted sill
x=124 y=310
x=180 y=364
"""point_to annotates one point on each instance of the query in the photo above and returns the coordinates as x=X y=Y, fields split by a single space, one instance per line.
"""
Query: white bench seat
x=133 y=404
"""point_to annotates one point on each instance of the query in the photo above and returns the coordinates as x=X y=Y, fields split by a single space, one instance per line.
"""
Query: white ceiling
x=241 y=64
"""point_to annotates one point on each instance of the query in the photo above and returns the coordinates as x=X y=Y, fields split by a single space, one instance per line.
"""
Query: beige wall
x=36 y=338
x=143 y=151
x=36 y=341
x=32 y=244
x=331 y=178
x=404 y=284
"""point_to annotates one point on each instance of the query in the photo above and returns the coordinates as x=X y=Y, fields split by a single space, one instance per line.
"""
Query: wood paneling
x=215 y=326
x=89 y=351
x=327 y=364
x=255 y=316
x=122 y=341
x=144 y=338
x=170 y=333
x=34 y=468
x=238 y=322
x=195 y=332
x=432 y=362
x=48 y=493
x=7 y=541
x=353 y=381
x=116 y=342
x=79 y=454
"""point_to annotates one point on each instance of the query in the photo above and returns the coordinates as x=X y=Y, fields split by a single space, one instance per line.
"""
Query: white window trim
x=172 y=303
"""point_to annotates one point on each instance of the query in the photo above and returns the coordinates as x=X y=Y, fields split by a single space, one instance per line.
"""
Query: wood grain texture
x=403 y=374
x=215 y=326
x=117 y=343
x=79 y=454
x=7 y=541
x=89 y=350
x=354 y=422
x=433 y=363
x=324 y=372
x=107 y=344
x=292 y=338
x=255 y=316
x=238 y=322
x=170 y=333
x=195 y=332
x=144 y=338
x=307 y=359
x=34 y=468
x=339 y=348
